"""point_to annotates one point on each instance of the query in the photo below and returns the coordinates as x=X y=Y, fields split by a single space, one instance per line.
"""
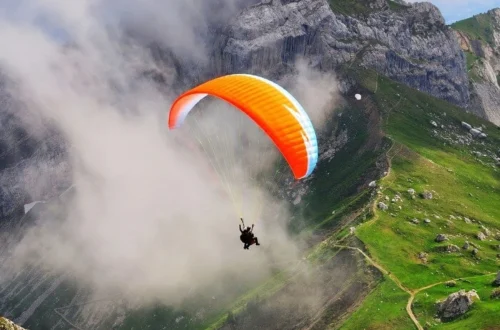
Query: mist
x=152 y=215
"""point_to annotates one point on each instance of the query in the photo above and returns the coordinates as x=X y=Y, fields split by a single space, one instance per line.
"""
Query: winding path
x=412 y=293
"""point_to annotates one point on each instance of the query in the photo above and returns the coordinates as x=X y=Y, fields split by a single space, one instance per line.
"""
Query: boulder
x=456 y=304
x=441 y=238
x=496 y=282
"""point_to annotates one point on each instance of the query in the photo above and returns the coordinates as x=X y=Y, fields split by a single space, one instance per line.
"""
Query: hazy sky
x=455 y=10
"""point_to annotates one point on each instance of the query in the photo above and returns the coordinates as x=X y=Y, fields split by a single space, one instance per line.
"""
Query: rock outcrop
x=484 y=66
x=457 y=304
x=411 y=45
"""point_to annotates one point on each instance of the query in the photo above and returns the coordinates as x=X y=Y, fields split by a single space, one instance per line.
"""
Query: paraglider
x=247 y=236
x=270 y=106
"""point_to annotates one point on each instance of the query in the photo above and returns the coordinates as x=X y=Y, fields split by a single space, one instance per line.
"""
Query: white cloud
x=149 y=217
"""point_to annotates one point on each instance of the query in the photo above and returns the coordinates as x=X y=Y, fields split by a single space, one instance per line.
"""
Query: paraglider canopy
x=270 y=106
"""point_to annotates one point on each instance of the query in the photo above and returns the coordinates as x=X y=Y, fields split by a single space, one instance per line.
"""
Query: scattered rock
x=480 y=236
x=486 y=231
x=495 y=294
x=423 y=256
x=466 y=245
x=415 y=221
x=383 y=206
x=427 y=221
x=441 y=238
x=467 y=220
x=474 y=132
x=451 y=284
x=475 y=252
x=352 y=229
x=451 y=248
x=433 y=123
x=466 y=125
x=372 y=184
x=396 y=199
x=456 y=304
x=426 y=195
x=483 y=136
x=496 y=282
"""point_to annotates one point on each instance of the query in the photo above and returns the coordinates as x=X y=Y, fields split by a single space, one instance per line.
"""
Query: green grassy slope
x=334 y=185
x=478 y=27
x=466 y=196
x=359 y=7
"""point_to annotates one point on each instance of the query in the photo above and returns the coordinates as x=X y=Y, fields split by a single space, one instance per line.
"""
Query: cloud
x=151 y=216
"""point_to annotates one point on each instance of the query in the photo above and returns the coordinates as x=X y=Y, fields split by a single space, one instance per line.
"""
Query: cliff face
x=410 y=44
x=479 y=38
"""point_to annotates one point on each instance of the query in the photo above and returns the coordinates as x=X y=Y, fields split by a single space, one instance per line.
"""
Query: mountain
x=402 y=166
x=410 y=44
x=479 y=37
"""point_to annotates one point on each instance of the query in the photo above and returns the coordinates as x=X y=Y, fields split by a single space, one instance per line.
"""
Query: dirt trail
x=394 y=279
x=412 y=293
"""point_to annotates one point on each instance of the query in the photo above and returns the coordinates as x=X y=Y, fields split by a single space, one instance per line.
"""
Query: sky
x=456 y=10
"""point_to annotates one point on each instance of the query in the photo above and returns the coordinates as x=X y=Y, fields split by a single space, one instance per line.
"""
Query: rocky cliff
x=409 y=43
x=479 y=38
